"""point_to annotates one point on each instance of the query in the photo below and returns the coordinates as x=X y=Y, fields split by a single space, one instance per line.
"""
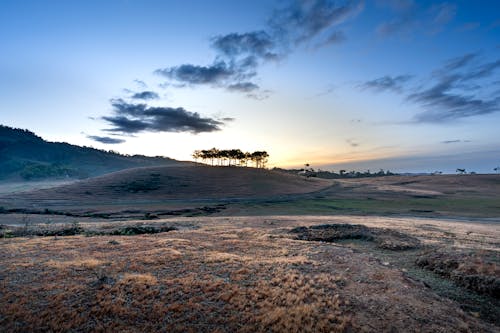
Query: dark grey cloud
x=257 y=44
x=106 y=139
x=216 y=73
x=243 y=87
x=145 y=95
x=384 y=83
x=130 y=118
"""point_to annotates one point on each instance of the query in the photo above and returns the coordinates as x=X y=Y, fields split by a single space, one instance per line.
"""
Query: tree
x=461 y=171
x=197 y=154
x=497 y=169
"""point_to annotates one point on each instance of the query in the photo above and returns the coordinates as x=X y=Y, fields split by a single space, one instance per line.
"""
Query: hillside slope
x=26 y=156
x=167 y=183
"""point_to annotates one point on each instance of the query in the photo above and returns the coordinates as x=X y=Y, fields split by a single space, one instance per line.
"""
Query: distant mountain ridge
x=26 y=156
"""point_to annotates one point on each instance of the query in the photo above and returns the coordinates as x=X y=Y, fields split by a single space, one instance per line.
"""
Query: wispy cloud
x=130 y=118
x=302 y=21
x=454 y=141
x=106 y=139
x=384 y=83
x=140 y=83
x=411 y=16
x=461 y=88
x=458 y=90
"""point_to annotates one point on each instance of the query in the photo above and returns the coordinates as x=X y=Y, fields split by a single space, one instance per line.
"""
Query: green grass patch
x=472 y=207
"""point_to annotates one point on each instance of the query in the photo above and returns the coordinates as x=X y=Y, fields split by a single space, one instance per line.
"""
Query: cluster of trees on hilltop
x=229 y=157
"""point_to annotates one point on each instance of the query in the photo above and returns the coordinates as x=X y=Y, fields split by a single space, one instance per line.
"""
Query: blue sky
x=410 y=86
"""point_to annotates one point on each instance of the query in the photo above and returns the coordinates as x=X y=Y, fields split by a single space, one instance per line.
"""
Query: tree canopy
x=231 y=157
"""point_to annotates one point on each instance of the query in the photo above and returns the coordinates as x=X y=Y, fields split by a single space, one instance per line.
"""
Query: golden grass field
x=245 y=268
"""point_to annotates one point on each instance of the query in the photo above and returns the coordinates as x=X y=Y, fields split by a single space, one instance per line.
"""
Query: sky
x=403 y=85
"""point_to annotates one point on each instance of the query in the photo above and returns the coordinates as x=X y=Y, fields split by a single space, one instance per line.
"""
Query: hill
x=176 y=183
x=26 y=156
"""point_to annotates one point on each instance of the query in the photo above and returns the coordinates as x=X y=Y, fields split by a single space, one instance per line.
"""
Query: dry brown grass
x=230 y=275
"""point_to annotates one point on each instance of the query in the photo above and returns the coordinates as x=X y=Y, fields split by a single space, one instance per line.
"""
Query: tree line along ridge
x=231 y=157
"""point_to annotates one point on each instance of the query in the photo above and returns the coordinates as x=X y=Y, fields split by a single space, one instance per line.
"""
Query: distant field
x=249 y=191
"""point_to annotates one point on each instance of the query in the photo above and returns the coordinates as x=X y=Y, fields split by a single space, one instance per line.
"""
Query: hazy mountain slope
x=26 y=156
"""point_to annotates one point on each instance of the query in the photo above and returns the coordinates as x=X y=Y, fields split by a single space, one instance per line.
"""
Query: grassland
x=421 y=255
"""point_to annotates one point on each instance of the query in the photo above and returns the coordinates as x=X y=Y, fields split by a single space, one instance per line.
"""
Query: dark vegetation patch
x=76 y=229
x=473 y=271
x=125 y=214
x=140 y=230
x=148 y=184
x=384 y=238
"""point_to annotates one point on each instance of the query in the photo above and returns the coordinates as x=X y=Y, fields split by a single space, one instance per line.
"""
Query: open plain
x=220 y=249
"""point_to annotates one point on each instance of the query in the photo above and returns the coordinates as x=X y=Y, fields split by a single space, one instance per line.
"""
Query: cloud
x=238 y=55
x=410 y=16
x=130 y=118
x=454 y=141
x=105 y=139
x=335 y=37
x=397 y=5
x=459 y=62
x=443 y=103
x=461 y=88
x=458 y=90
x=257 y=43
x=243 y=87
x=403 y=25
x=146 y=95
x=482 y=71
x=141 y=83
x=259 y=95
x=303 y=20
x=442 y=14
x=384 y=83
x=216 y=73
x=404 y=21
